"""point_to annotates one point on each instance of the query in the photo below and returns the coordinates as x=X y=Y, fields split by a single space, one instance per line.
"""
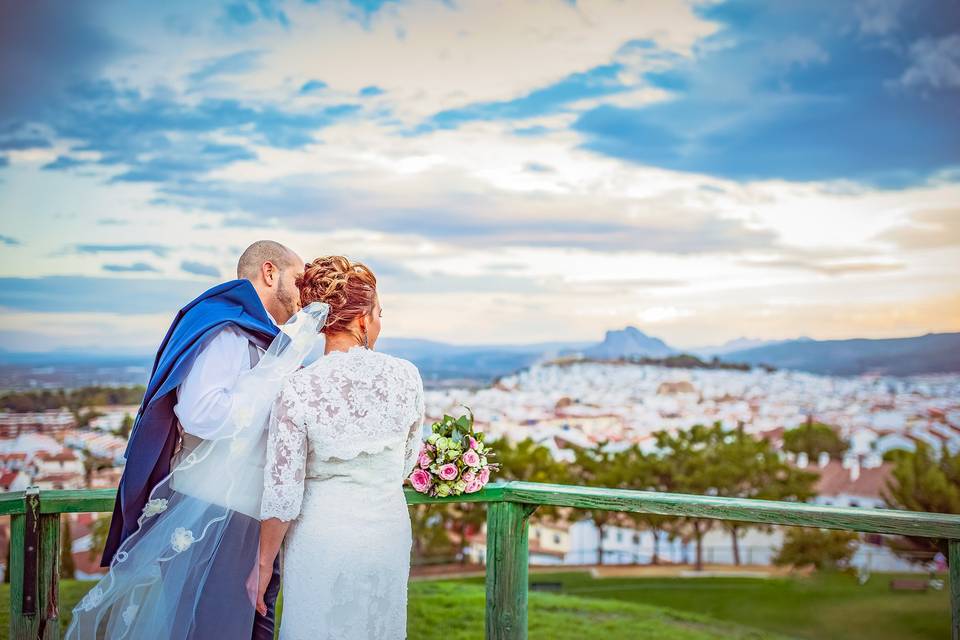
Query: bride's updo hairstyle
x=350 y=288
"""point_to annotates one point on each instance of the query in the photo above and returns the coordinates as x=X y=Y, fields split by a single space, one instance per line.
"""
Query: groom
x=211 y=342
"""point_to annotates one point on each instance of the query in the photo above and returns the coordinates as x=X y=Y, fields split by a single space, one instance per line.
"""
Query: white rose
x=155 y=506
x=243 y=415
x=181 y=539
x=129 y=614
x=92 y=599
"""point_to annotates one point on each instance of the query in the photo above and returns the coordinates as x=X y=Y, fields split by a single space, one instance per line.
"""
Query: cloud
x=758 y=101
x=136 y=267
x=233 y=64
x=600 y=81
x=68 y=294
x=159 y=139
x=473 y=214
x=934 y=63
x=10 y=242
x=312 y=86
x=827 y=268
x=23 y=142
x=44 y=47
x=242 y=13
x=370 y=92
x=935 y=229
x=200 y=269
x=878 y=17
x=158 y=250
x=64 y=162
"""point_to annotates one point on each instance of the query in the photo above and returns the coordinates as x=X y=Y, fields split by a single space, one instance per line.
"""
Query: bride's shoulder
x=393 y=362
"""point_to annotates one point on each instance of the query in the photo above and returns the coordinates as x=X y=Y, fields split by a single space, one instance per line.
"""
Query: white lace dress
x=345 y=433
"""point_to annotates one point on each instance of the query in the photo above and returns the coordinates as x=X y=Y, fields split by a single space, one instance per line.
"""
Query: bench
x=907 y=584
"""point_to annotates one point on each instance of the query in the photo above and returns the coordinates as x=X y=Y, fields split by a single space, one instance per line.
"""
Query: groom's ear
x=269 y=273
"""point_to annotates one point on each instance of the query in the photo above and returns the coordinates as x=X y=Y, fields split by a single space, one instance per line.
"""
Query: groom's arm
x=205 y=396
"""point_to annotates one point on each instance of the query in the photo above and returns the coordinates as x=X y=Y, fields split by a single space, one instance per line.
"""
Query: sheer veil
x=190 y=568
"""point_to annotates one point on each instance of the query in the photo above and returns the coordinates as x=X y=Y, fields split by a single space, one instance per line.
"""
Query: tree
x=643 y=473
x=690 y=467
x=526 y=460
x=530 y=462
x=430 y=536
x=99 y=531
x=814 y=438
x=923 y=481
x=598 y=467
x=67 y=567
x=92 y=464
x=823 y=549
x=748 y=467
x=125 y=427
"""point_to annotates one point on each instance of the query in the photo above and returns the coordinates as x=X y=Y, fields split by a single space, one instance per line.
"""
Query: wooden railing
x=35 y=539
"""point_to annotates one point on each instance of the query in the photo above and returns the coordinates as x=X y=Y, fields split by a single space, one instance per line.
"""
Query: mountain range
x=448 y=364
x=931 y=353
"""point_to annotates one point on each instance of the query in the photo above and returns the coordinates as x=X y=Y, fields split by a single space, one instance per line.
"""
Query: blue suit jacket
x=155 y=433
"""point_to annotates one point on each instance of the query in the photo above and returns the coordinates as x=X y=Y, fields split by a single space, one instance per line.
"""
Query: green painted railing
x=35 y=539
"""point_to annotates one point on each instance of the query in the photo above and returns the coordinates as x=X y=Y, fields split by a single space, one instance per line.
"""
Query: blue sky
x=515 y=171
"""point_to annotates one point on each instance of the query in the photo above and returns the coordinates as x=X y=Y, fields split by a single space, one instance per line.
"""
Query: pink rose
x=469 y=476
x=420 y=480
x=431 y=448
x=472 y=441
x=473 y=487
x=485 y=475
x=448 y=471
x=470 y=458
x=425 y=460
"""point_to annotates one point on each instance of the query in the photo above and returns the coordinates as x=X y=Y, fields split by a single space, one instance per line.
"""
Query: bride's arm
x=283 y=478
x=272 y=532
x=415 y=435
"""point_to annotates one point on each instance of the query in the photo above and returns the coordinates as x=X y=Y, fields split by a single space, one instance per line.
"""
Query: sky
x=512 y=171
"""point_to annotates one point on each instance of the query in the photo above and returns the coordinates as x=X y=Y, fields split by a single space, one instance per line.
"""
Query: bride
x=319 y=453
x=344 y=433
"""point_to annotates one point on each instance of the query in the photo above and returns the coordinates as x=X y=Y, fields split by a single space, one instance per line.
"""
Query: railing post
x=954 y=560
x=506 y=612
x=34 y=571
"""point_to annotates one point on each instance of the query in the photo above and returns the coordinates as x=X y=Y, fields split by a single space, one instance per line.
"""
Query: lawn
x=823 y=606
x=454 y=611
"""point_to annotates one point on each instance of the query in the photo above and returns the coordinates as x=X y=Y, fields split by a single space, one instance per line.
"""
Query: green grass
x=823 y=606
x=454 y=611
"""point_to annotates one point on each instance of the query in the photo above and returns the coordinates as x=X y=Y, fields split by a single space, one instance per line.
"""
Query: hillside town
x=582 y=403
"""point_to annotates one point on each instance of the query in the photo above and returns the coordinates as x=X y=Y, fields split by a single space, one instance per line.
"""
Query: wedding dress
x=345 y=431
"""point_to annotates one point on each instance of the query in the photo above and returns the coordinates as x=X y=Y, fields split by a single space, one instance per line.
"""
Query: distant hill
x=443 y=364
x=932 y=353
x=737 y=344
x=481 y=363
x=629 y=343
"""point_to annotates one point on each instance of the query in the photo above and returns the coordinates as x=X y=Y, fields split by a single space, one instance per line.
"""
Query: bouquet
x=453 y=460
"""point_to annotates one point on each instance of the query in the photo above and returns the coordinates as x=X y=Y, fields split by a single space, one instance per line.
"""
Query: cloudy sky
x=513 y=171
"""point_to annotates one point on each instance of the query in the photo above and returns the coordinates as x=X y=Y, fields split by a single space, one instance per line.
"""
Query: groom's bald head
x=273 y=270
x=252 y=259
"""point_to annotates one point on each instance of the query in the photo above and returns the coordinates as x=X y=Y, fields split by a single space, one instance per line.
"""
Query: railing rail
x=35 y=539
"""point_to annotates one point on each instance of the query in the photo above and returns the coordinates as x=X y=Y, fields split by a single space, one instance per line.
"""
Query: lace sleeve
x=286 y=464
x=415 y=435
